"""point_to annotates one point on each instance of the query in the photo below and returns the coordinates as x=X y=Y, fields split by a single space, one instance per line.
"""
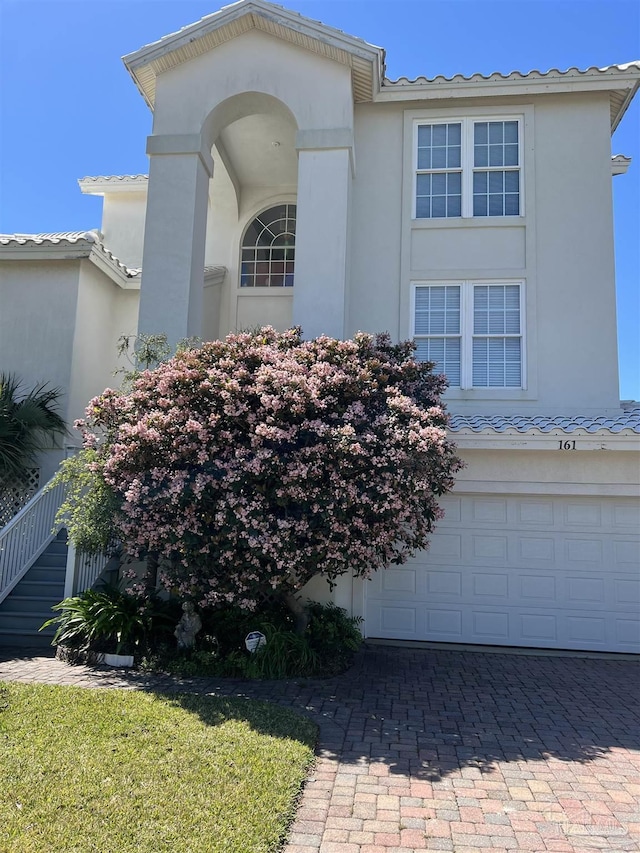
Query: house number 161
x=566 y=445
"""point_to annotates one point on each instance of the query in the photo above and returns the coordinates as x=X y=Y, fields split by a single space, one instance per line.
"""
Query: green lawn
x=113 y=771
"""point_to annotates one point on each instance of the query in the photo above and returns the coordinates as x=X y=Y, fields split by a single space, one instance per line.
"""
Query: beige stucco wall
x=561 y=247
x=59 y=324
x=577 y=336
x=37 y=319
x=123 y=225
x=558 y=472
x=105 y=311
x=255 y=62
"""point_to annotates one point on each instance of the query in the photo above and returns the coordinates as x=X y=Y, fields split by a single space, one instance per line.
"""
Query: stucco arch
x=316 y=91
x=219 y=100
x=240 y=106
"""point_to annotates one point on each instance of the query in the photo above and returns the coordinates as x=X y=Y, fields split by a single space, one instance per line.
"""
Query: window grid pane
x=445 y=353
x=497 y=361
x=268 y=249
x=496 y=187
x=437 y=329
x=439 y=179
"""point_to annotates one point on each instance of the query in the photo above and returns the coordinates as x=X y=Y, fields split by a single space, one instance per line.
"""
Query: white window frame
x=467 y=167
x=466 y=329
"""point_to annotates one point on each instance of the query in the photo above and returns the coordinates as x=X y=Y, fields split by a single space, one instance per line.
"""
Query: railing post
x=70 y=574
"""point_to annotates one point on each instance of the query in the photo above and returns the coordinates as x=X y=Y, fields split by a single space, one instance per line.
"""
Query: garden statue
x=188 y=626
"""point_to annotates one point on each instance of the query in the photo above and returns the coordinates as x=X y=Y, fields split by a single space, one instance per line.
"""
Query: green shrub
x=333 y=635
x=107 y=619
x=326 y=648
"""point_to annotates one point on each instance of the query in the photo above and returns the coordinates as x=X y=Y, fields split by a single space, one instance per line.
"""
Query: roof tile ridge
x=97 y=178
x=534 y=73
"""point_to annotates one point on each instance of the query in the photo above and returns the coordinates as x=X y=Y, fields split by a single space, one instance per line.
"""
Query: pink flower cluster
x=254 y=463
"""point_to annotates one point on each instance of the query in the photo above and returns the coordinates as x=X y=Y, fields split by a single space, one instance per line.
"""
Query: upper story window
x=268 y=248
x=468 y=167
x=472 y=331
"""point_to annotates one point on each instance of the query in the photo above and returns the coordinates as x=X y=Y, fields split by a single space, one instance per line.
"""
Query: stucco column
x=174 y=239
x=325 y=162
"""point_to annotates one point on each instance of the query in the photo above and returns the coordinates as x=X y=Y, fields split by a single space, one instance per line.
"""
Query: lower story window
x=472 y=331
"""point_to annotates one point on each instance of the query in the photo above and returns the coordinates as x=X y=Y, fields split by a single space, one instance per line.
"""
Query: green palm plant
x=28 y=420
x=100 y=619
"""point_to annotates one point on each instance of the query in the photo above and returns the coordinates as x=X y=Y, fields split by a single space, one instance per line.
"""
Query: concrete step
x=26 y=620
x=48 y=560
x=57 y=546
x=27 y=604
x=21 y=639
x=46 y=573
x=53 y=589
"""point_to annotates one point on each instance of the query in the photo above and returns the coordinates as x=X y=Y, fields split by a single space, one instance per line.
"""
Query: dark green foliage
x=89 y=506
x=109 y=620
x=28 y=422
x=326 y=648
x=333 y=635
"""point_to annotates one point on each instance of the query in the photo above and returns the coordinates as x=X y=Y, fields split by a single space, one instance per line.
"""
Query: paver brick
x=387 y=839
x=457 y=751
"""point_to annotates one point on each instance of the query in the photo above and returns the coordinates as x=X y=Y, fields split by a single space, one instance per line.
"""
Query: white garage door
x=502 y=570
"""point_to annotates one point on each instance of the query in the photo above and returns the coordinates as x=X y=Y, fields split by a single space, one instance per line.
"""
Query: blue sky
x=68 y=108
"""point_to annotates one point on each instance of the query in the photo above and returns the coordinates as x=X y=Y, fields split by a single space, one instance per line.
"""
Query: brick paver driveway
x=448 y=750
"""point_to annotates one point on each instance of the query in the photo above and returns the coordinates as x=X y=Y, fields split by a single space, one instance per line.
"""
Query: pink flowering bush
x=254 y=463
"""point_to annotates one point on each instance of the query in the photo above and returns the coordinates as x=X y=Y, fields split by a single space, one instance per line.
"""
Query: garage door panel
x=446 y=546
x=626 y=553
x=539 y=629
x=452 y=511
x=445 y=625
x=487 y=585
x=489 y=511
x=489 y=548
x=626 y=516
x=399 y=621
x=584 y=550
x=628 y=634
x=538 y=513
x=394 y=580
x=446 y=584
x=490 y=626
x=582 y=515
x=535 y=549
x=570 y=584
x=627 y=592
x=537 y=589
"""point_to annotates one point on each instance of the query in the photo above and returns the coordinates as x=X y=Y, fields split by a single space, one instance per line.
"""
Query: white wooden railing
x=27 y=535
x=82 y=570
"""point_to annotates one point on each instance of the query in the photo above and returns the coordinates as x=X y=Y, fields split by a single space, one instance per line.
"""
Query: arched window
x=268 y=248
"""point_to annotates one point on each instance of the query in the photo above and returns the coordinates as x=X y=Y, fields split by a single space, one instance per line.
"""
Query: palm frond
x=28 y=421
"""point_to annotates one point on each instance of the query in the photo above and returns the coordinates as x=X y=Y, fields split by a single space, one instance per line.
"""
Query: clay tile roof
x=51 y=238
x=629 y=419
x=91 y=240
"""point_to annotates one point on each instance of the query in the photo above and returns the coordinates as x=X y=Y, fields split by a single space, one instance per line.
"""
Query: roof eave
x=140 y=63
x=103 y=184
x=620 y=80
x=79 y=250
x=534 y=439
x=617 y=118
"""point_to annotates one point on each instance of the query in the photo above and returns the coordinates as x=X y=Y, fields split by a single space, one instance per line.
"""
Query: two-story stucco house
x=290 y=182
